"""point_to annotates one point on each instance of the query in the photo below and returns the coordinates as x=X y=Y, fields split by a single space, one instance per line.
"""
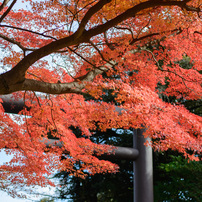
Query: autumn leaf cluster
x=62 y=57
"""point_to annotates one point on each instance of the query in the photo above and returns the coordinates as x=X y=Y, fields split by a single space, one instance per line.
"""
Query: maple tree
x=56 y=53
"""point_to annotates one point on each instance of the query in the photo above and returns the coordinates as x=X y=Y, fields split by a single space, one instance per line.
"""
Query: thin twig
x=101 y=55
x=26 y=30
x=16 y=43
x=35 y=76
x=81 y=56
x=8 y=10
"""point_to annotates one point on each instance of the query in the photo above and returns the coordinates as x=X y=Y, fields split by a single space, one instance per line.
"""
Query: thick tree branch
x=94 y=9
x=16 y=76
x=61 y=88
x=55 y=88
x=77 y=37
x=134 y=10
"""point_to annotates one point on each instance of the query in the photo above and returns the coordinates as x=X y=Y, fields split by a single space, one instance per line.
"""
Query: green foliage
x=185 y=62
x=195 y=106
x=176 y=179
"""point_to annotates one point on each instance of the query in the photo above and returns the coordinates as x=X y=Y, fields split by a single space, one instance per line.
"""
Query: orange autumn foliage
x=54 y=53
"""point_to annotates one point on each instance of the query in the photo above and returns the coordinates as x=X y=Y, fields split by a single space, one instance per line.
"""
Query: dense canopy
x=63 y=57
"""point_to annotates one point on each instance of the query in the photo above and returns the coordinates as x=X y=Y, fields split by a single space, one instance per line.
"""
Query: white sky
x=4 y=197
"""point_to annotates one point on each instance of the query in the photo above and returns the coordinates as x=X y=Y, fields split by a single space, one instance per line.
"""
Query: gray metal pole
x=142 y=169
x=11 y=105
x=125 y=153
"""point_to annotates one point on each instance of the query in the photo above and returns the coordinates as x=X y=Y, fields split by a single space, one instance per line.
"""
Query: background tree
x=176 y=179
x=140 y=41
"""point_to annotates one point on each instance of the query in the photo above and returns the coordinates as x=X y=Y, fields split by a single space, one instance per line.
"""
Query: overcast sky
x=4 y=197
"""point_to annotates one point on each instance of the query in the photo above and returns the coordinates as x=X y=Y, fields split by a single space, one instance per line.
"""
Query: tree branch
x=16 y=43
x=177 y=31
x=94 y=9
x=8 y=10
x=61 y=88
x=26 y=30
x=52 y=88
x=16 y=76
x=134 y=10
x=3 y=5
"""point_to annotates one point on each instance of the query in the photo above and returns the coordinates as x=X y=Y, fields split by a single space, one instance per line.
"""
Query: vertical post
x=142 y=169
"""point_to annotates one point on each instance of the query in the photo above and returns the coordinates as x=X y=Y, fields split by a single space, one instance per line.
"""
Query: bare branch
x=99 y=52
x=81 y=56
x=109 y=45
x=54 y=29
x=3 y=5
x=8 y=10
x=144 y=27
x=197 y=32
x=16 y=43
x=177 y=31
x=34 y=76
x=26 y=30
x=159 y=67
x=126 y=28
